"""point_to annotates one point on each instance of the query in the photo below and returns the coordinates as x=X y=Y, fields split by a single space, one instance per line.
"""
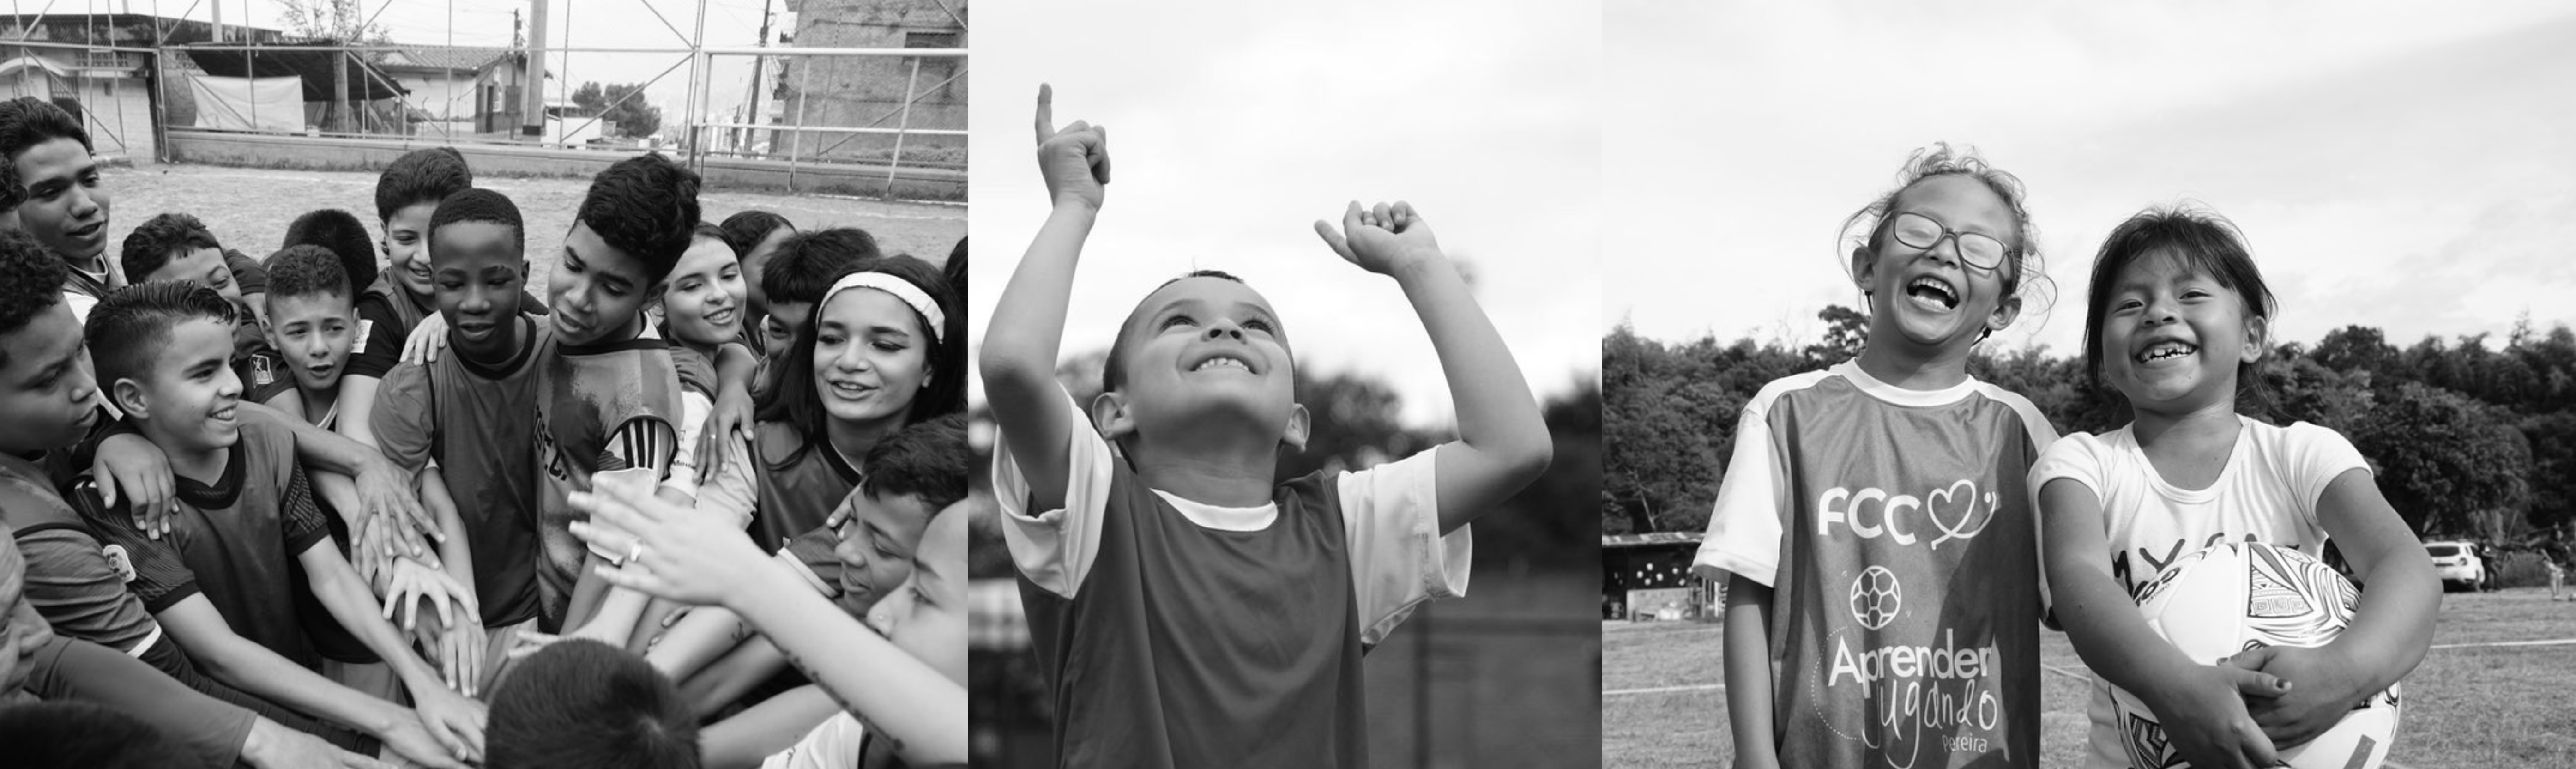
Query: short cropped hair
x=130 y=325
x=925 y=459
x=31 y=281
x=645 y=206
x=150 y=246
x=582 y=704
x=342 y=233
x=807 y=262
x=28 y=121
x=477 y=204
x=745 y=230
x=306 y=271
x=70 y=733
x=420 y=176
x=1113 y=371
x=13 y=190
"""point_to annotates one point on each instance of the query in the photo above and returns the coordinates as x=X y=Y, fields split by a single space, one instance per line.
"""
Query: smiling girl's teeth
x=2165 y=350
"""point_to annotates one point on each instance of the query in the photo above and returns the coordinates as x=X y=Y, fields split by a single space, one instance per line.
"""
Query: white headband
x=901 y=289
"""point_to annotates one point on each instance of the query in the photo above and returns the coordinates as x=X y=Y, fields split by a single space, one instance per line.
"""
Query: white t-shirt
x=834 y=745
x=1390 y=521
x=2267 y=493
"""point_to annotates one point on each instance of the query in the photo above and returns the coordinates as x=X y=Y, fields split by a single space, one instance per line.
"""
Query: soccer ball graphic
x=2240 y=596
x=1875 y=597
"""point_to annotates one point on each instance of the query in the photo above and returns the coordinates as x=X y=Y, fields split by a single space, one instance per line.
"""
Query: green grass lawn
x=248 y=208
x=2464 y=707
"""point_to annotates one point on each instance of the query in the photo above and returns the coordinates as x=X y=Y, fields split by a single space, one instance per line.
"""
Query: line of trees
x=2467 y=439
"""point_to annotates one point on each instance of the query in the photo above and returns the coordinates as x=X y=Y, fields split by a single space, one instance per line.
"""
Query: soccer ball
x=2240 y=596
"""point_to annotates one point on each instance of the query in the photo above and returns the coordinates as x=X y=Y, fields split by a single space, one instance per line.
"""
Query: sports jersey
x=230 y=540
x=72 y=579
x=1896 y=533
x=803 y=486
x=473 y=419
x=1179 y=634
x=386 y=314
x=2267 y=493
x=80 y=280
x=837 y=744
x=586 y=395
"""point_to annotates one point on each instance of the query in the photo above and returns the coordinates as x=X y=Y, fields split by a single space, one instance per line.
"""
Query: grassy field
x=248 y=209
x=2467 y=706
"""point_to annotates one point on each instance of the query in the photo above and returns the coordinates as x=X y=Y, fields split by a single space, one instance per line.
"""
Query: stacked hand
x=684 y=556
x=1075 y=160
x=1385 y=239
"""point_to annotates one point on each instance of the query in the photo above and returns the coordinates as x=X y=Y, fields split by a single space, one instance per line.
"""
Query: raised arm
x=1503 y=443
x=2201 y=707
x=1021 y=341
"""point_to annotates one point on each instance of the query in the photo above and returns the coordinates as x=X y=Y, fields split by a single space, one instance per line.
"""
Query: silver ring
x=634 y=552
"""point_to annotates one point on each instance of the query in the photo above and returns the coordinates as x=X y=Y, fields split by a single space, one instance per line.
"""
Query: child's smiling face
x=2173 y=336
x=1203 y=348
x=190 y=396
x=704 y=298
x=1933 y=297
x=876 y=547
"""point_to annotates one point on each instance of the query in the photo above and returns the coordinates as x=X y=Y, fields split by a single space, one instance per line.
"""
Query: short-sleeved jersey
x=79 y=280
x=1897 y=536
x=2267 y=493
x=259 y=365
x=837 y=744
x=71 y=578
x=587 y=394
x=473 y=419
x=23 y=630
x=1179 y=634
x=231 y=540
x=799 y=484
x=386 y=314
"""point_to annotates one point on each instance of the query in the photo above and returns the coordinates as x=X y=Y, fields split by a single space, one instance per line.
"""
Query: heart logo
x=1953 y=519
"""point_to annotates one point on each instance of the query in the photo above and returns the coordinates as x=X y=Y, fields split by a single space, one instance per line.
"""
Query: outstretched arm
x=1503 y=443
x=1020 y=343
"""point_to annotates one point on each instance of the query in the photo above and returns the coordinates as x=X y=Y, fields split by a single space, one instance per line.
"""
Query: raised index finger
x=1046 y=112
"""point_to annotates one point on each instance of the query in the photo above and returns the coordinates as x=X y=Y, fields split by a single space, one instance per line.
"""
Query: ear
x=2005 y=312
x=1300 y=427
x=1864 y=267
x=2258 y=338
x=128 y=395
x=1109 y=415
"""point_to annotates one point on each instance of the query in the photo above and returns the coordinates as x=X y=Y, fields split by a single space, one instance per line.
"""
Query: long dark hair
x=791 y=399
x=2202 y=242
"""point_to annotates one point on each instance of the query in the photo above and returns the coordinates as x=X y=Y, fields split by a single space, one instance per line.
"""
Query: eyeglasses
x=1918 y=231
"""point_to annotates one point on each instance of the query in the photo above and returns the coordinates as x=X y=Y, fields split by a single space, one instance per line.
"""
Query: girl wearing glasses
x=1883 y=597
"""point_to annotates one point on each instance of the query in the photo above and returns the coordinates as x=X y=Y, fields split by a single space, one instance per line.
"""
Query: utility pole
x=532 y=96
x=752 y=137
x=518 y=32
x=218 y=35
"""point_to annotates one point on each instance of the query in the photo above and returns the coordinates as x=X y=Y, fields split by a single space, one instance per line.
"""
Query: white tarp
x=241 y=103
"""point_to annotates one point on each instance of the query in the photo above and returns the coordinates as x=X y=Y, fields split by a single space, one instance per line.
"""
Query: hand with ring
x=697 y=559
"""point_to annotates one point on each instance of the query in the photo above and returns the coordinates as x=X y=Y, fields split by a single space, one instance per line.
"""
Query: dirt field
x=2469 y=704
x=248 y=209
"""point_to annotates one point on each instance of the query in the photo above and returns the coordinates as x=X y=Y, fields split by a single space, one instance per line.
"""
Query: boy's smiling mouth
x=1222 y=361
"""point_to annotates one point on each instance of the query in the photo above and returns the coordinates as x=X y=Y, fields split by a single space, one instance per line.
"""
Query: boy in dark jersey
x=48 y=560
x=66 y=207
x=468 y=412
x=178 y=247
x=1190 y=608
x=218 y=580
x=796 y=277
x=607 y=389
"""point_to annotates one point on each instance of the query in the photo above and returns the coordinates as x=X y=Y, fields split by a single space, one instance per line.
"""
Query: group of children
x=1894 y=533
x=317 y=508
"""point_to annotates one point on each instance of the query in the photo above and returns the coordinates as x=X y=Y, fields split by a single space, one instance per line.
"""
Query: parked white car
x=2460 y=565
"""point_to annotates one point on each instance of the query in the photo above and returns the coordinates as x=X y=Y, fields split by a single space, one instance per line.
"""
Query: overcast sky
x=1234 y=126
x=2405 y=165
x=572 y=23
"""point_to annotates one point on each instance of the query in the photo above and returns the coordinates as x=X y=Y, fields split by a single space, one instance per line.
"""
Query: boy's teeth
x=1226 y=362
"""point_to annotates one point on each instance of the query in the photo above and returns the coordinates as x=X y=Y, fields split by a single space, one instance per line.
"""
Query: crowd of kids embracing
x=1894 y=533
x=368 y=500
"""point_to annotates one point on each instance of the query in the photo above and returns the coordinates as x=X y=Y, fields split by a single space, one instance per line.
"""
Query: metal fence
x=885 y=122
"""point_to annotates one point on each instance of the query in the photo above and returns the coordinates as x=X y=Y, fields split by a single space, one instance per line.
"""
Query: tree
x=622 y=104
x=331 y=20
x=2446 y=462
